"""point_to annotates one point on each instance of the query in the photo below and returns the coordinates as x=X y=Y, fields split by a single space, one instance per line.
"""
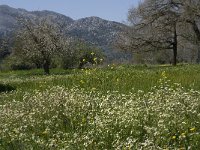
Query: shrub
x=14 y=63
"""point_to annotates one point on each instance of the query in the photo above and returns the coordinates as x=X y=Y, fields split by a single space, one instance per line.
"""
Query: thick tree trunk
x=175 y=56
x=175 y=47
x=197 y=32
x=46 y=67
x=198 y=54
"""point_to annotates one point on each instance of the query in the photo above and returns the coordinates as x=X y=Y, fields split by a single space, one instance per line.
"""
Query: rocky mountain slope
x=95 y=30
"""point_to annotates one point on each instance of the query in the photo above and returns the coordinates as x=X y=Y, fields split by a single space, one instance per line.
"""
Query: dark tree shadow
x=6 y=88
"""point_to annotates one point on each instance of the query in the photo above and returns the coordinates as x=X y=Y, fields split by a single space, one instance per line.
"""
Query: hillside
x=95 y=30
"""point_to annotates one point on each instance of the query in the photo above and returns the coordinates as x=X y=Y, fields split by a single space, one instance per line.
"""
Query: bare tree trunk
x=46 y=67
x=197 y=32
x=198 y=54
x=81 y=65
x=175 y=56
x=175 y=47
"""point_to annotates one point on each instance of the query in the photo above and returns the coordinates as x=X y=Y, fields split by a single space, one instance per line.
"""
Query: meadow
x=115 y=107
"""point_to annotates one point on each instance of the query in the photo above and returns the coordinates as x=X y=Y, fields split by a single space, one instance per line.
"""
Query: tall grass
x=118 y=107
x=59 y=118
x=123 y=79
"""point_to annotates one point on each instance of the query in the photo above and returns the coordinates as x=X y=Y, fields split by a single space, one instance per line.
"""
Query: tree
x=70 y=58
x=89 y=54
x=40 y=41
x=81 y=53
x=191 y=16
x=153 y=26
x=3 y=48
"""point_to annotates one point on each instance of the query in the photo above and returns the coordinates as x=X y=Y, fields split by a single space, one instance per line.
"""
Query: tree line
x=41 y=43
x=163 y=26
x=163 y=30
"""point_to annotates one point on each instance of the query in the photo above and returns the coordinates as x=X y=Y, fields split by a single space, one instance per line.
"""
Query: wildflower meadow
x=117 y=107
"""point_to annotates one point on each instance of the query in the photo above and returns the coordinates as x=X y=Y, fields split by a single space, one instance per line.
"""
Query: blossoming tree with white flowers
x=40 y=41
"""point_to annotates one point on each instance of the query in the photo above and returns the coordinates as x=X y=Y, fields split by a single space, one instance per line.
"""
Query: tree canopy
x=160 y=25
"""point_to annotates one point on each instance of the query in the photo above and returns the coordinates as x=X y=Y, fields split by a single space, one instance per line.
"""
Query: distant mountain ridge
x=95 y=30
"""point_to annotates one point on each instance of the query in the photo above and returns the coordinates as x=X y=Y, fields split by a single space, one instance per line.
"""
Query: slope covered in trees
x=94 y=30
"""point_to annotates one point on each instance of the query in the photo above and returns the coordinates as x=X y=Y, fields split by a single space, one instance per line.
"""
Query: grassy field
x=116 y=107
x=123 y=79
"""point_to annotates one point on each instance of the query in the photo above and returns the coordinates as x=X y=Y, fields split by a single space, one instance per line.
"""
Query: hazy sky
x=115 y=10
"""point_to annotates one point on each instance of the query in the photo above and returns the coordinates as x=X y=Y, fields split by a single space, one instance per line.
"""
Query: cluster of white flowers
x=60 y=118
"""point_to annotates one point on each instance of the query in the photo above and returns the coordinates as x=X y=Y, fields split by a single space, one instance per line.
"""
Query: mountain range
x=95 y=30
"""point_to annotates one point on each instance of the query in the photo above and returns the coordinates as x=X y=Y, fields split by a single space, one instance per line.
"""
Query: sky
x=114 y=10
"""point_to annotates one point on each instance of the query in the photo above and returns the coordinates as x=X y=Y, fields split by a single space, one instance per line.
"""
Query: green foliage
x=89 y=54
x=80 y=54
x=70 y=58
x=4 y=49
x=15 y=63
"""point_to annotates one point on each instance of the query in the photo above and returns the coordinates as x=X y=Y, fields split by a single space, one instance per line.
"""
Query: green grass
x=116 y=107
x=123 y=79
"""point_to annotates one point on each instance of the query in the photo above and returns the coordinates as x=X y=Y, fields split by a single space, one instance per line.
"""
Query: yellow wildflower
x=45 y=132
x=82 y=82
x=173 y=137
x=163 y=74
x=83 y=120
x=183 y=135
x=192 y=129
